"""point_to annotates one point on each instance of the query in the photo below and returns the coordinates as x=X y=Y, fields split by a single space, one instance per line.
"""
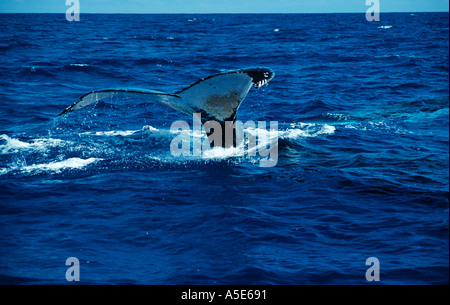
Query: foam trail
x=307 y=131
x=12 y=145
x=146 y=128
x=71 y=163
x=111 y=133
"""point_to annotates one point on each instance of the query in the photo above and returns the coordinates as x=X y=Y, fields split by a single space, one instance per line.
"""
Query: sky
x=221 y=6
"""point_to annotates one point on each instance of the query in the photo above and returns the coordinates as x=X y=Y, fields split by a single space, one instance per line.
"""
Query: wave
x=110 y=133
x=317 y=106
x=15 y=153
x=79 y=67
x=59 y=165
x=56 y=166
x=307 y=130
x=46 y=69
x=406 y=86
x=148 y=145
x=16 y=45
x=152 y=61
x=35 y=71
x=12 y=145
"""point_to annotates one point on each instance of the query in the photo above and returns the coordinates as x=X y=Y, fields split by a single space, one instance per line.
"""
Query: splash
x=12 y=145
x=71 y=163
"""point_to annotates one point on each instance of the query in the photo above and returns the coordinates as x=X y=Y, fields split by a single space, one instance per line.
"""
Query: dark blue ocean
x=363 y=141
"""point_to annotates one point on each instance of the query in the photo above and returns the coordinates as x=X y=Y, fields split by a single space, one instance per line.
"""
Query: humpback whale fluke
x=216 y=97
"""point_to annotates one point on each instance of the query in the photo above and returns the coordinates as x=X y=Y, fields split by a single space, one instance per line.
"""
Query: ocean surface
x=363 y=151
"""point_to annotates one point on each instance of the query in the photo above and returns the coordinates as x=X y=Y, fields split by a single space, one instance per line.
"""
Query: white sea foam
x=306 y=130
x=385 y=27
x=338 y=116
x=149 y=128
x=12 y=145
x=222 y=153
x=57 y=166
x=120 y=132
x=115 y=133
x=263 y=138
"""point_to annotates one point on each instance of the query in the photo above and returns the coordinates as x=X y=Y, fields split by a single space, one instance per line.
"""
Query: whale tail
x=216 y=98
